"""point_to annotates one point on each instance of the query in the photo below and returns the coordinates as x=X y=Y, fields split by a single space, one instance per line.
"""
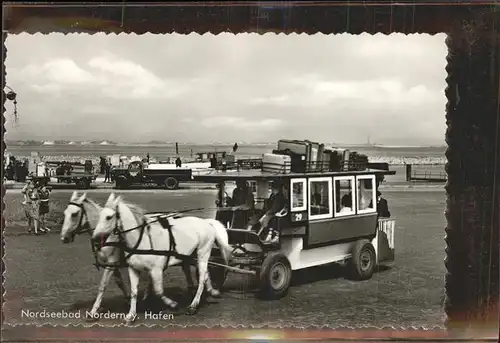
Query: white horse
x=185 y=236
x=80 y=217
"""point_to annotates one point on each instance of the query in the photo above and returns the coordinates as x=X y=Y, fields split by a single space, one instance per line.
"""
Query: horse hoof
x=129 y=319
x=191 y=311
x=215 y=293
x=174 y=306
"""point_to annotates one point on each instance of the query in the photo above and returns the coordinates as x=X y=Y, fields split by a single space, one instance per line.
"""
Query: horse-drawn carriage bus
x=303 y=207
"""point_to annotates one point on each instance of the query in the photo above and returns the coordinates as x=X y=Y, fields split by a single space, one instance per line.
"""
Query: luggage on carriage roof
x=313 y=156
x=321 y=165
x=295 y=146
x=276 y=163
x=297 y=161
x=358 y=161
x=337 y=158
x=308 y=151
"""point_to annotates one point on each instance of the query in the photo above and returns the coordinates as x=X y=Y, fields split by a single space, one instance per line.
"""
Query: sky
x=246 y=88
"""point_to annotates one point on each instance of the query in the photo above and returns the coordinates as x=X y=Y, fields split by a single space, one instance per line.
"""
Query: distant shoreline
x=187 y=152
x=34 y=143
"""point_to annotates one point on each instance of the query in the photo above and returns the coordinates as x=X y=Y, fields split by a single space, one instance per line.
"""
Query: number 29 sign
x=299 y=216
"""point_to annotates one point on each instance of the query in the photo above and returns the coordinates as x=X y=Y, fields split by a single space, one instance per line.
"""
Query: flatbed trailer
x=82 y=181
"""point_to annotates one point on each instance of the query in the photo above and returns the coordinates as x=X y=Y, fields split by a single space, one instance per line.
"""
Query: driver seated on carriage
x=274 y=206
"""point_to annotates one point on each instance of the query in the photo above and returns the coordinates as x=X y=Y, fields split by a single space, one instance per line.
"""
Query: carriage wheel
x=171 y=183
x=362 y=264
x=275 y=276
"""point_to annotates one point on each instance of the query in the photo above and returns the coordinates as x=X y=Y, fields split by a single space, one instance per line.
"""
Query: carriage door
x=298 y=200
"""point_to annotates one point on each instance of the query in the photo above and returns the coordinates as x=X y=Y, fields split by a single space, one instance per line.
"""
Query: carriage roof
x=254 y=174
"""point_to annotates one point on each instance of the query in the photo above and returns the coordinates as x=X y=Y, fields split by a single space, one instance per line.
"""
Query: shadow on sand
x=120 y=304
x=301 y=277
x=326 y=272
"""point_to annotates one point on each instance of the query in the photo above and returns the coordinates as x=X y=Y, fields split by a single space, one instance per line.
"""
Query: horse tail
x=222 y=239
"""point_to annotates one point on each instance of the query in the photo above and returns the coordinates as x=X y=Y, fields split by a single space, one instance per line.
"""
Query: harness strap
x=171 y=252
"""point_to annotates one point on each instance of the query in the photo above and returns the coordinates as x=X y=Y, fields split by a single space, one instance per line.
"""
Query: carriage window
x=320 y=199
x=366 y=193
x=298 y=200
x=344 y=196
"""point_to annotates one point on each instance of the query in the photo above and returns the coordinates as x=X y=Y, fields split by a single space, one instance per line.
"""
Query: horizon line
x=158 y=142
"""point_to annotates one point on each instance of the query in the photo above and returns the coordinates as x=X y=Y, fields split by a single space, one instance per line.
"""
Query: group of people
x=105 y=168
x=64 y=168
x=16 y=170
x=382 y=205
x=36 y=202
x=244 y=205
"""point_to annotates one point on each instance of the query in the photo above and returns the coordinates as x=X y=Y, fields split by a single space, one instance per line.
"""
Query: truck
x=165 y=175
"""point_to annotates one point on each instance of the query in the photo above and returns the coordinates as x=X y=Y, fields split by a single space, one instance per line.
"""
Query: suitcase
x=343 y=155
x=321 y=166
x=338 y=159
x=313 y=156
x=279 y=164
x=295 y=146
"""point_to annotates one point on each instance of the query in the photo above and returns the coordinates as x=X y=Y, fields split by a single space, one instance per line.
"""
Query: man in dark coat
x=107 y=175
x=102 y=165
x=243 y=202
x=382 y=206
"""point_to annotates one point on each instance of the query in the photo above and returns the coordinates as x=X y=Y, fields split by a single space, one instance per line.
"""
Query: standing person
x=102 y=164
x=30 y=203
x=147 y=157
x=43 y=207
x=10 y=171
x=25 y=171
x=178 y=162
x=28 y=195
x=382 y=206
x=107 y=177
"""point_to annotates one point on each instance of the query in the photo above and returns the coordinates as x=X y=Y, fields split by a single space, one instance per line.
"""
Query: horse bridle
x=80 y=229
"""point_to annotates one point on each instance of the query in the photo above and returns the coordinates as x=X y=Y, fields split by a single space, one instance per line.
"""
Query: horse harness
x=97 y=245
x=145 y=227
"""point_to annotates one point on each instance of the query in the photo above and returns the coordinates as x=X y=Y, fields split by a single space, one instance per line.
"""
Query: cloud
x=53 y=76
x=312 y=91
x=245 y=87
x=121 y=78
x=59 y=70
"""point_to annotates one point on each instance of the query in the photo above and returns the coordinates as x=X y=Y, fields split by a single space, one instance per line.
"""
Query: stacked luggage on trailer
x=304 y=156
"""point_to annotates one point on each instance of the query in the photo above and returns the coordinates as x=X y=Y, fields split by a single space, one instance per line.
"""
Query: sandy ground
x=43 y=274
